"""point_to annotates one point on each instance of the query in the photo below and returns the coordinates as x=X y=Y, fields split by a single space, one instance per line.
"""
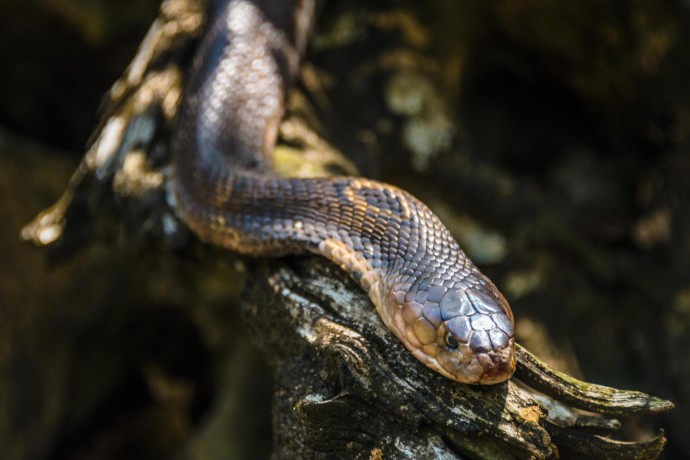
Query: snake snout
x=497 y=365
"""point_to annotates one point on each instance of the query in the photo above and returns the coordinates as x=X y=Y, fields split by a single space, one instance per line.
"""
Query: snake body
x=426 y=290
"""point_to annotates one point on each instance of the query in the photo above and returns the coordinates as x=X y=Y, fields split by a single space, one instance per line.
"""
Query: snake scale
x=426 y=290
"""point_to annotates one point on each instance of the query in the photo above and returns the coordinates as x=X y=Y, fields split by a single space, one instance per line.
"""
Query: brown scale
x=426 y=290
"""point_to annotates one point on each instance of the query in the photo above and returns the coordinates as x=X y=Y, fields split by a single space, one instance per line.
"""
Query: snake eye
x=451 y=341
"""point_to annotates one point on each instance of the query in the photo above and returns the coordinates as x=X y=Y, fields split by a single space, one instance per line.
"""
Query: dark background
x=566 y=178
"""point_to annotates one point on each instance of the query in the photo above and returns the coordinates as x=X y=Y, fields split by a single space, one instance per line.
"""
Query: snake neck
x=245 y=63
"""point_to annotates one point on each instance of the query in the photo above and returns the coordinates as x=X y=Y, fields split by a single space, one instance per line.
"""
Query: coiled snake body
x=426 y=290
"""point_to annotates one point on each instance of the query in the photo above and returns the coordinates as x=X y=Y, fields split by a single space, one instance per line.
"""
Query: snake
x=426 y=290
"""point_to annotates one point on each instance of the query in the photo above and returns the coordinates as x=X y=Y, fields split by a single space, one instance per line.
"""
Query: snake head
x=464 y=332
x=476 y=339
